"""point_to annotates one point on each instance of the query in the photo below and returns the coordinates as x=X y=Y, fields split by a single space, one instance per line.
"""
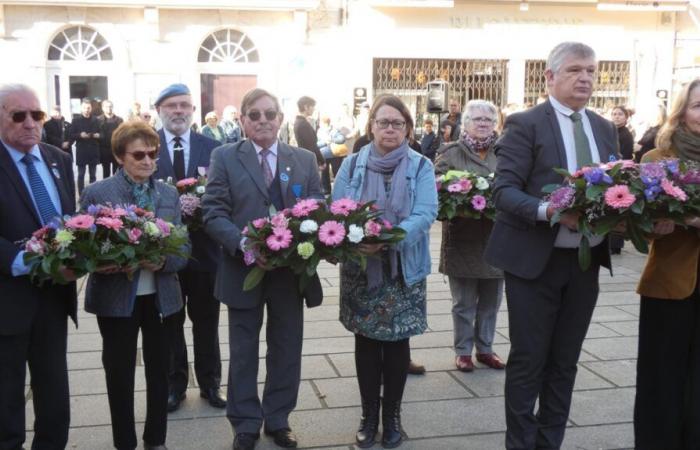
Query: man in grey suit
x=249 y=180
x=550 y=299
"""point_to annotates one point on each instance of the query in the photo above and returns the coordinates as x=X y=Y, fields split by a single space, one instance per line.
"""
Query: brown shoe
x=491 y=359
x=416 y=369
x=464 y=363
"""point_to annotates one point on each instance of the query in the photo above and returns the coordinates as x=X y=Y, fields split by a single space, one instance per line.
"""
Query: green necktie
x=583 y=148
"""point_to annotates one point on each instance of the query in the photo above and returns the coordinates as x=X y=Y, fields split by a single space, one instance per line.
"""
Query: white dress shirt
x=184 y=139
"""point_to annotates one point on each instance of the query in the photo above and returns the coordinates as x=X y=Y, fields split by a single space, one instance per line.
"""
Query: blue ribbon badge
x=296 y=188
x=284 y=177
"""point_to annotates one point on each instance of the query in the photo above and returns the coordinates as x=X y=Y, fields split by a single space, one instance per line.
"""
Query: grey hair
x=565 y=49
x=7 y=90
x=483 y=105
x=229 y=109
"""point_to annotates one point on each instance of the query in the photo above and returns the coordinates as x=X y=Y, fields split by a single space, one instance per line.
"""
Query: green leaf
x=637 y=239
x=563 y=172
x=593 y=191
x=584 y=253
x=253 y=278
x=549 y=188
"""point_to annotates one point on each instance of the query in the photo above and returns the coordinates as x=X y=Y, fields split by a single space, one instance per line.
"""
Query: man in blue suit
x=36 y=181
x=185 y=154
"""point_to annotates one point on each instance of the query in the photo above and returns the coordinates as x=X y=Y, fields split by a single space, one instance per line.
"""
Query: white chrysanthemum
x=482 y=184
x=355 y=234
x=200 y=189
x=308 y=226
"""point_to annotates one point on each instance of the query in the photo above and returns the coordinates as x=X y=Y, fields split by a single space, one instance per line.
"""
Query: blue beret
x=172 y=91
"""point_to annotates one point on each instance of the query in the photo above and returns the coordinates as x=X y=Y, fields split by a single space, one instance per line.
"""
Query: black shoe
x=154 y=447
x=283 y=437
x=213 y=395
x=174 y=400
x=392 y=433
x=369 y=424
x=245 y=441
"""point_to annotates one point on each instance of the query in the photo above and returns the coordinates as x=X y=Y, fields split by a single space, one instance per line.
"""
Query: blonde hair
x=675 y=118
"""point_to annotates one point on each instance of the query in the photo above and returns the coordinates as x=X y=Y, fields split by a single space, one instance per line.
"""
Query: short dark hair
x=396 y=103
x=428 y=122
x=128 y=132
x=253 y=96
x=305 y=101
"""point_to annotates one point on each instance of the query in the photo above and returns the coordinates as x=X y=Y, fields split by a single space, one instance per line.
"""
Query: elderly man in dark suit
x=249 y=180
x=550 y=299
x=37 y=185
x=184 y=154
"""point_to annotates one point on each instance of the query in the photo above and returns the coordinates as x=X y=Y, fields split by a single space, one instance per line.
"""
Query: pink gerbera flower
x=279 y=239
x=186 y=182
x=343 y=206
x=673 y=190
x=304 y=207
x=479 y=202
x=372 y=228
x=331 y=233
x=454 y=187
x=619 y=197
x=279 y=221
x=80 y=222
x=259 y=223
x=465 y=184
x=110 y=222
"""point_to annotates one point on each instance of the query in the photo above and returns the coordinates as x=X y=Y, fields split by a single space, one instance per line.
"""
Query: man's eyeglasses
x=483 y=119
x=255 y=115
x=139 y=155
x=383 y=124
x=21 y=116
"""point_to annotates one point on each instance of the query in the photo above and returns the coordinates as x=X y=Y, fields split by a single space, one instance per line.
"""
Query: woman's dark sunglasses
x=140 y=154
x=21 y=116
x=254 y=115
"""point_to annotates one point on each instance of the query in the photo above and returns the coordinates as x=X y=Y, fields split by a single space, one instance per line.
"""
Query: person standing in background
x=85 y=131
x=108 y=123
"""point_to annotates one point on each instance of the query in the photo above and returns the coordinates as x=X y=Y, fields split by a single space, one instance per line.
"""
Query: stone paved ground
x=445 y=409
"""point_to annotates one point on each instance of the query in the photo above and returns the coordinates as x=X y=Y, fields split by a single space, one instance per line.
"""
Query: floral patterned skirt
x=389 y=312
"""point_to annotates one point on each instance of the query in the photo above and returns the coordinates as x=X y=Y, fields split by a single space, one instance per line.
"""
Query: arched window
x=79 y=44
x=231 y=46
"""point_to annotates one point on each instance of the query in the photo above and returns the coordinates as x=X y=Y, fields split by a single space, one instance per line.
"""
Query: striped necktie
x=265 y=166
x=47 y=211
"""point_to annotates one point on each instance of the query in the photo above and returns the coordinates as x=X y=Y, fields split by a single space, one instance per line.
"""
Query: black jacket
x=306 y=138
x=87 y=150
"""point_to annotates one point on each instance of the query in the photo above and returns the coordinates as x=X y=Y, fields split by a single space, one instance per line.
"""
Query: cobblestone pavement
x=444 y=409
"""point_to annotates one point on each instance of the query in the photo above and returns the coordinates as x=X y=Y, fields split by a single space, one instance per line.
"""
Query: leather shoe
x=245 y=441
x=213 y=395
x=415 y=368
x=174 y=400
x=491 y=359
x=283 y=437
x=464 y=363
x=154 y=447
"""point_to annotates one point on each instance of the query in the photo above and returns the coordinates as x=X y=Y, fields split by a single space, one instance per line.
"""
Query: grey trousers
x=475 y=304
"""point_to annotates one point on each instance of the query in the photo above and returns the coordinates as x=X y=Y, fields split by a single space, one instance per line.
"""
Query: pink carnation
x=672 y=190
x=80 y=222
x=41 y=232
x=110 y=222
x=279 y=239
x=279 y=221
x=119 y=212
x=479 y=202
x=619 y=197
x=35 y=245
x=372 y=228
x=454 y=187
x=386 y=224
x=134 y=235
x=186 y=182
x=259 y=223
x=343 y=206
x=331 y=233
x=465 y=184
x=304 y=207
x=164 y=227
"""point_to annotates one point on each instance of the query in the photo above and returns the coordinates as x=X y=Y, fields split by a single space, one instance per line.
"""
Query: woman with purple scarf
x=385 y=305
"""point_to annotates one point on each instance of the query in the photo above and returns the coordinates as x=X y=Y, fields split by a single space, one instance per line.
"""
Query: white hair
x=7 y=90
x=564 y=50
x=229 y=109
x=481 y=105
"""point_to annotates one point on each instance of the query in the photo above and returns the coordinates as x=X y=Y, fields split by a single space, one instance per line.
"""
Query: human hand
x=109 y=269
x=322 y=166
x=370 y=249
x=153 y=266
x=620 y=228
x=84 y=135
x=692 y=221
x=261 y=262
x=96 y=135
x=569 y=220
x=67 y=274
x=664 y=226
x=65 y=145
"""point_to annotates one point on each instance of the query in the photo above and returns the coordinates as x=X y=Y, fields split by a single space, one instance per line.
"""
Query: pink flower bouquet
x=624 y=192
x=101 y=236
x=465 y=194
x=313 y=230
x=191 y=191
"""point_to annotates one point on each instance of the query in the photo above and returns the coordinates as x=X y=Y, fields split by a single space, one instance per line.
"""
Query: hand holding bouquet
x=465 y=194
x=191 y=191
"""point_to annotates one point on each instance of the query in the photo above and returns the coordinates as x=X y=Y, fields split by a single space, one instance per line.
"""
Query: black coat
x=57 y=131
x=107 y=127
x=87 y=150
x=626 y=140
x=306 y=138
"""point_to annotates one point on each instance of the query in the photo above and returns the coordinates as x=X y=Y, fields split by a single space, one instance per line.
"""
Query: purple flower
x=652 y=171
x=562 y=198
x=672 y=166
x=652 y=192
x=690 y=177
x=479 y=202
x=93 y=210
x=597 y=176
x=249 y=257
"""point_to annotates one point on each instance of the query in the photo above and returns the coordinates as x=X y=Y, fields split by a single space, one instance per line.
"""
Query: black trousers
x=81 y=175
x=377 y=360
x=119 y=340
x=43 y=348
x=548 y=320
x=667 y=406
x=203 y=310
x=109 y=169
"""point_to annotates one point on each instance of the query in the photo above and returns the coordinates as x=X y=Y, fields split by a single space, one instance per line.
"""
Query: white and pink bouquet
x=311 y=231
x=465 y=194
x=191 y=191
x=103 y=235
x=622 y=192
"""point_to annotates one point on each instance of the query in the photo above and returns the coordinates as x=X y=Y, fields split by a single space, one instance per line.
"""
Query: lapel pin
x=56 y=173
x=288 y=168
x=284 y=177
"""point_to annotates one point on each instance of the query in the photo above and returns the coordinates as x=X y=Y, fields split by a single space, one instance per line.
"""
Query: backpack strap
x=353 y=163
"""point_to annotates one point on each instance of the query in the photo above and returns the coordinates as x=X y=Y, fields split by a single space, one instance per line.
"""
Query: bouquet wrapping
x=465 y=194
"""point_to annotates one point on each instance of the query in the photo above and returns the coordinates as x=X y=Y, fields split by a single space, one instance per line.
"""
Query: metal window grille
x=79 y=44
x=228 y=45
x=612 y=85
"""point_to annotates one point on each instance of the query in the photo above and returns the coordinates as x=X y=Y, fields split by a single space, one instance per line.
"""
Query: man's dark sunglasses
x=255 y=115
x=21 y=116
x=140 y=154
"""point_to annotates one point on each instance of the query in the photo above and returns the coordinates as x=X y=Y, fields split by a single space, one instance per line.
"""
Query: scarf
x=142 y=192
x=479 y=145
x=686 y=144
x=395 y=205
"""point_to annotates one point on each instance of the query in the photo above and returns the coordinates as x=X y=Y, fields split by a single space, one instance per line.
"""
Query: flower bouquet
x=191 y=191
x=618 y=192
x=121 y=236
x=312 y=230
x=465 y=194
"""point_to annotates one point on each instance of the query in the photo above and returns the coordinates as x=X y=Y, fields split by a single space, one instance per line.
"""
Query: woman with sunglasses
x=385 y=305
x=144 y=300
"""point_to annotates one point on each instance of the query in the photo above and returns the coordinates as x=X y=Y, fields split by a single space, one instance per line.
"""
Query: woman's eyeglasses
x=139 y=155
x=383 y=124
x=255 y=115
x=21 y=116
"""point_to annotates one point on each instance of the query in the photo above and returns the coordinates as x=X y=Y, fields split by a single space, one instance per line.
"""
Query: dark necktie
x=179 y=159
x=583 y=148
x=265 y=166
x=47 y=211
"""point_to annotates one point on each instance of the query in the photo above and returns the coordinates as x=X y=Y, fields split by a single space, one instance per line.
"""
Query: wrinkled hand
x=261 y=262
x=692 y=221
x=153 y=267
x=110 y=269
x=370 y=249
x=570 y=220
x=664 y=226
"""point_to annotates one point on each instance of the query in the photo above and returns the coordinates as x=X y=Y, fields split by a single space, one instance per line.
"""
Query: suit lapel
x=195 y=154
x=558 y=138
x=249 y=159
x=164 y=160
x=67 y=205
x=599 y=133
x=8 y=165
x=285 y=168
